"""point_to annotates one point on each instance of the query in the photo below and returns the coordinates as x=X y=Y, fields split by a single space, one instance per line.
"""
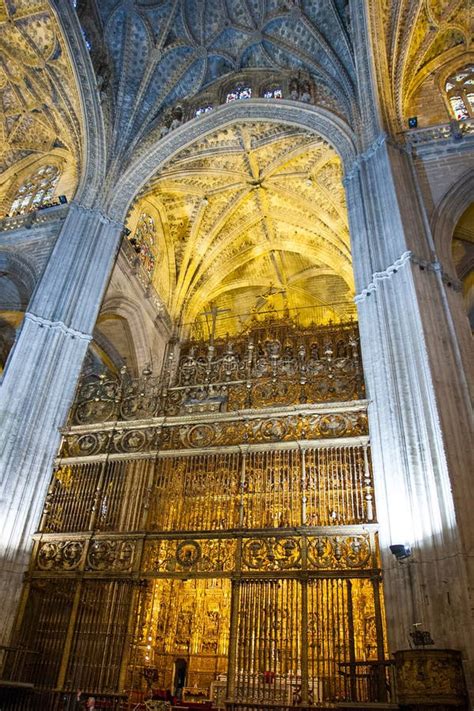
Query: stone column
x=418 y=410
x=40 y=380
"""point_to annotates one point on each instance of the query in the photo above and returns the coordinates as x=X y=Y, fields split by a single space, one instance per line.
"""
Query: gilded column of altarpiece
x=219 y=519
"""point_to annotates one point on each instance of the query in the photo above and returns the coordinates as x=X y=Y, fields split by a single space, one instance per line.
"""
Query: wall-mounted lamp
x=400 y=551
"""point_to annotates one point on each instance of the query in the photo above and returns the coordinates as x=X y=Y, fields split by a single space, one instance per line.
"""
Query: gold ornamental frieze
x=267 y=429
x=111 y=554
x=169 y=556
x=196 y=555
x=270 y=554
x=195 y=435
x=61 y=555
x=260 y=554
x=339 y=552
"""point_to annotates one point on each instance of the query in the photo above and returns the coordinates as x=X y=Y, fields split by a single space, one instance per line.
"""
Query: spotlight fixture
x=400 y=551
x=413 y=122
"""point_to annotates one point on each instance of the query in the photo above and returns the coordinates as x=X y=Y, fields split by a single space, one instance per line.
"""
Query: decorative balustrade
x=455 y=130
x=34 y=218
x=268 y=367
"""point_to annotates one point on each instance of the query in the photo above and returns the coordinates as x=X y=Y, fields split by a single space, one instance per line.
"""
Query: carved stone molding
x=381 y=276
x=57 y=326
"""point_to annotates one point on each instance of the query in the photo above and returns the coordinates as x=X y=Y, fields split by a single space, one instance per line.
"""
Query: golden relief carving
x=339 y=552
x=201 y=555
x=268 y=528
x=430 y=674
x=195 y=625
x=60 y=555
x=254 y=430
x=112 y=555
x=270 y=554
x=259 y=554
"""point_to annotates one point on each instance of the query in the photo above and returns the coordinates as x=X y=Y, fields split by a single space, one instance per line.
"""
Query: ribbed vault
x=39 y=102
x=162 y=51
x=249 y=219
x=417 y=38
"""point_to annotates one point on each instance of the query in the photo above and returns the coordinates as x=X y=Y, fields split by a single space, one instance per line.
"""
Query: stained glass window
x=203 y=110
x=275 y=93
x=37 y=190
x=460 y=92
x=240 y=92
x=144 y=241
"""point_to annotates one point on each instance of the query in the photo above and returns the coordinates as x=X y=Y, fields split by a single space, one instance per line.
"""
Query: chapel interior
x=236 y=311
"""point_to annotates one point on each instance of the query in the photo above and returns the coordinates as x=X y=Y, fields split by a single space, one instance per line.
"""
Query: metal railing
x=368 y=682
x=19 y=698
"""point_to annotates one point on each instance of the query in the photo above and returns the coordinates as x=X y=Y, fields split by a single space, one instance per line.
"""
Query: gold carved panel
x=190 y=555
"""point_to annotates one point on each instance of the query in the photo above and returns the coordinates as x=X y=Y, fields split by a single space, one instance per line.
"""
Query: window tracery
x=460 y=93
x=144 y=241
x=37 y=190
x=275 y=92
x=240 y=92
x=203 y=110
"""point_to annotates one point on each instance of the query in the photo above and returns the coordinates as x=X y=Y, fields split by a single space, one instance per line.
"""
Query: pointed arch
x=91 y=174
x=153 y=152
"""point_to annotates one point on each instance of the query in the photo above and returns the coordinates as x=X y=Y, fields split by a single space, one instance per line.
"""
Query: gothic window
x=37 y=190
x=240 y=92
x=144 y=242
x=460 y=93
x=273 y=93
x=203 y=110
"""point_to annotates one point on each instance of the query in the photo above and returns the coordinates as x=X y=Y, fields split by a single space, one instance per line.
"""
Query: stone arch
x=20 y=274
x=153 y=152
x=446 y=216
x=134 y=328
x=17 y=283
x=443 y=223
x=92 y=171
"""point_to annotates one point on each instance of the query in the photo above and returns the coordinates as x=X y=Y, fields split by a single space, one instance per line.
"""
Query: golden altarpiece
x=213 y=530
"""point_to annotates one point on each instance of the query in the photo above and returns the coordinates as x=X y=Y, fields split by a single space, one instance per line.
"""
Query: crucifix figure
x=213 y=312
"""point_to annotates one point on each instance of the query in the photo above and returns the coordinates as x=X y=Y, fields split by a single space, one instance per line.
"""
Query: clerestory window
x=203 y=110
x=240 y=92
x=460 y=93
x=273 y=93
x=36 y=191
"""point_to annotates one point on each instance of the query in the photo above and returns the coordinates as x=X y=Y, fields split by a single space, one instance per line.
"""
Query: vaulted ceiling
x=249 y=219
x=164 y=50
x=153 y=53
x=39 y=102
x=418 y=37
